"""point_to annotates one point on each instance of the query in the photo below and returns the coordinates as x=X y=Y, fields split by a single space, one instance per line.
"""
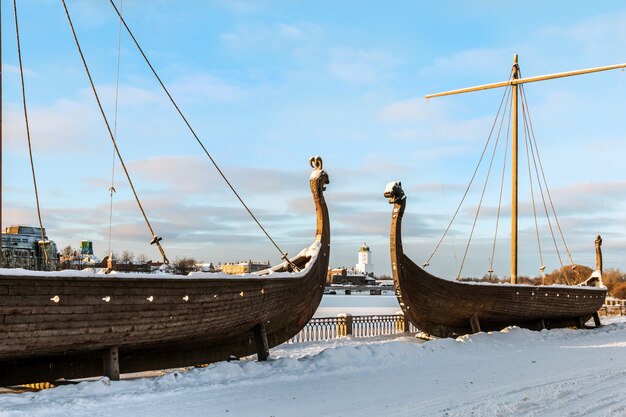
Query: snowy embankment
x=515 y=372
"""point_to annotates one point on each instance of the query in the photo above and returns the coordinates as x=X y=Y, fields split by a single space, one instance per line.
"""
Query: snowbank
x=514 y=372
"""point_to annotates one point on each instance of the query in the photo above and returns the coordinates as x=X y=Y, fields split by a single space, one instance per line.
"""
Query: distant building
x=364 y=265
x=361 y=274
x=345 y=276
x=335 y=272
x=207 y=267
x=244 y=267
x=81 y=258
x=348 y=276
x=86 y=247
x=22 y=247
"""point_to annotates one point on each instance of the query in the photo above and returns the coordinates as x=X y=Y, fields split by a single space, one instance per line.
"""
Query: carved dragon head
x=318 y=174
x=394 y=192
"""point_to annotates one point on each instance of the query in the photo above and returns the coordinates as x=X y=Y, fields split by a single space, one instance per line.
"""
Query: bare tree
x=142 y=258
x=184 y=266
x=127 y=257
x=67 y=252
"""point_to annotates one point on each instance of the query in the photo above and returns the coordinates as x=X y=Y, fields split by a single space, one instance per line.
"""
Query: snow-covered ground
x=515 y=372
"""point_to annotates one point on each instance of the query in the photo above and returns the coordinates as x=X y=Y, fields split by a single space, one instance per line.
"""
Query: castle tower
x=364 y=265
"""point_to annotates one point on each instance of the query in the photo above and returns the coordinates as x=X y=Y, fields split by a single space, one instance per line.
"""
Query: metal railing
x=327 y=328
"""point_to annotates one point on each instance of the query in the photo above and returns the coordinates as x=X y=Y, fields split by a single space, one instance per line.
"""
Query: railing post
x=349 y=322
x=402 y=323
x=341 y=325
x=344 y=324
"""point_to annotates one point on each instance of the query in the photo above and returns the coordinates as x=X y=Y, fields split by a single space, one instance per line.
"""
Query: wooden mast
x=514 y=182
x=514 y=82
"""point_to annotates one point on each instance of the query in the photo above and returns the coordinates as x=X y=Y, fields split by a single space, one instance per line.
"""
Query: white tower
x=364 y=265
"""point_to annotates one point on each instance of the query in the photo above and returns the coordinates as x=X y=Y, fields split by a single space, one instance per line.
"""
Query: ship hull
x=154 y=323
x=59 y=325
x=445 y=308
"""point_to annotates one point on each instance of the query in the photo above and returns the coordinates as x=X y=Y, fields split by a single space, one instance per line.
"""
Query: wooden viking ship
x=77 y=324
x=446 y=308
x=65 y=324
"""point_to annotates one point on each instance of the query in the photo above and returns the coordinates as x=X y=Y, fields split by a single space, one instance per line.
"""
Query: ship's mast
x=514 y=101
x=514 y=82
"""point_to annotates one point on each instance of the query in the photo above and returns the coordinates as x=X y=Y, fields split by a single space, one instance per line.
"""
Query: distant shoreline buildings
x=364 y=265
x=361 y=274
x=244 y=267
x=22 y=247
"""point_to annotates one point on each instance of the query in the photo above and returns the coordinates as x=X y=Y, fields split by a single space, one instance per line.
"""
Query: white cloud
x=207 y=87
x=14 y=70
x=421 y=119
x=414 y=110
x=596 y=34
x=264 y=37
x=243 y=6
x=471 y=61
x=358 y=66
x=191 y=174
x=59 y=127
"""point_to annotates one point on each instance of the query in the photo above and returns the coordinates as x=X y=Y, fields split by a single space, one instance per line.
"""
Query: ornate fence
x=613 y=307
x=326 y=328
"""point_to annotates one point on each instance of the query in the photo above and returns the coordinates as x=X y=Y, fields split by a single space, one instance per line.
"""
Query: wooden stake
x=262 y=347
x=111 y=363
x=475 y=323
x=596 y=319
x=541 y=324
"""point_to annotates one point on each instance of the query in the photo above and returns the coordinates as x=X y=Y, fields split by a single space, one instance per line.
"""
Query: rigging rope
x=283 y=254
x=538 y=165
x=425 y=264
x=482 y=195
x=506 y=153
x=545 y=207
x=117 y=85
x=155 y=239
x=542 y=268
x=30 y=150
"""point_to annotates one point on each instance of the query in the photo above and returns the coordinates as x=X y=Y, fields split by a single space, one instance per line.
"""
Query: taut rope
x=117 y=85
x=155 y=239
x=539 y=168
x=482 y=195
x=30 y=150
x=495 y=120
x=283 y=254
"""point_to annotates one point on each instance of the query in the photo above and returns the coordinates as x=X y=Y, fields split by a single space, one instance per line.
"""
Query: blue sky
x=269 y=84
